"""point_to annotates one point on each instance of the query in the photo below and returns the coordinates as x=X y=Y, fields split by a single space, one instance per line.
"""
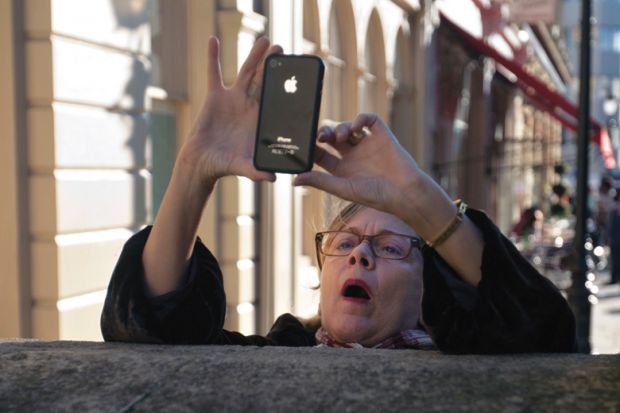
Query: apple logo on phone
x=290 y=85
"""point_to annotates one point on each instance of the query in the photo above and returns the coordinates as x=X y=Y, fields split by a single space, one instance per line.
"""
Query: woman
x=479 y=295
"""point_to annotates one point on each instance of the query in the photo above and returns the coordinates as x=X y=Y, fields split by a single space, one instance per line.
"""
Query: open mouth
x=356 y=290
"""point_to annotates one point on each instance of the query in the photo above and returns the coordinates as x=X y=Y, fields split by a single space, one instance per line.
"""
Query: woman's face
x=394 y=286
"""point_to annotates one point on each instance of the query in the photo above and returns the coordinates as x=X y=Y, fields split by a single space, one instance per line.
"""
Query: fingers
x=335 y=135
x=362 y=120
x=258 y=176
x=255 y=82
x=255 y=175
x=325 y=159
x=345 y=135
x=326 y=134
x=214 y=70
x=249 y=67
x=325 y=182
x=342 y=132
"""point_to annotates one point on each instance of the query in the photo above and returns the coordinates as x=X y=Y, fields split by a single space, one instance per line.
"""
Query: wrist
x=192 y=165
x=429 y=207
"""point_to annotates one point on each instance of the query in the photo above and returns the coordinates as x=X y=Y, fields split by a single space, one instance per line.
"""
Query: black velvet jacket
x=513 y=309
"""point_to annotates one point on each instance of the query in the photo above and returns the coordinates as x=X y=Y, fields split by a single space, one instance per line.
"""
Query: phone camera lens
x=273 y=63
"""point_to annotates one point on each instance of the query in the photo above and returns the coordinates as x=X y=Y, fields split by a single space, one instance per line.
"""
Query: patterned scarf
x=412 y=339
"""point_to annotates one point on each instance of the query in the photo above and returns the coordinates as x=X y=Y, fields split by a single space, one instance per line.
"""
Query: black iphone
x=289 y=112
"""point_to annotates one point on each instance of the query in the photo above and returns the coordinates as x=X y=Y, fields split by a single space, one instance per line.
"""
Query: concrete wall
x=149 y=378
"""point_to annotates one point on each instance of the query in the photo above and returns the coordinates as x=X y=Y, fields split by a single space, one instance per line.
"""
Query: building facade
x=496 y=144
x=99 y=96
x=605 y=64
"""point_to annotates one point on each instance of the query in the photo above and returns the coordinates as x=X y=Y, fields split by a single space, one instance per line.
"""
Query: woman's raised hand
x=374 y=171
x=222 y=139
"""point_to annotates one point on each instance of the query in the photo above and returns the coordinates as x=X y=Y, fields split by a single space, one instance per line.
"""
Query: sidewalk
x=605 y=310
x=605 y=321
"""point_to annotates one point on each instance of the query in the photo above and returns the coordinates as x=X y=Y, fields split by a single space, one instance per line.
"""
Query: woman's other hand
x=221 y=143
x=222 y=139
x=373 y=171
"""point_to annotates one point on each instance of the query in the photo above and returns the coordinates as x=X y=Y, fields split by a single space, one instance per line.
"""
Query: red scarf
x=412 y=339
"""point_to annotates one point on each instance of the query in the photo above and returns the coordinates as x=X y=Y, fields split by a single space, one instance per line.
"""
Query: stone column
x=475 y=145
x=238 y=26
x=14 y=245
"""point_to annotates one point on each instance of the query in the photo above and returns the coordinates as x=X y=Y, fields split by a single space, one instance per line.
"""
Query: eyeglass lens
x=391 y=246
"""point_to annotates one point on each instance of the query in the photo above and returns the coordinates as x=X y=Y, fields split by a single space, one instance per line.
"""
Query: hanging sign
x=533 y=11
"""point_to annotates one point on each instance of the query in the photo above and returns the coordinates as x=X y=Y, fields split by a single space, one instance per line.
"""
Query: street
x=605 y=311
x=605 y=326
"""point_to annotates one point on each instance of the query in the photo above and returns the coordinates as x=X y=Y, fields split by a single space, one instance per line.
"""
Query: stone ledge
x=115 y=377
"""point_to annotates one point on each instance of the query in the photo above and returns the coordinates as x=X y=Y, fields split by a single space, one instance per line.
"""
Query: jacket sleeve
x=513 y=309
x=190 y=315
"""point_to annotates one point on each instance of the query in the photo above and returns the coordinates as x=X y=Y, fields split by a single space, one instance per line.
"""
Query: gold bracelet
x=452 y=226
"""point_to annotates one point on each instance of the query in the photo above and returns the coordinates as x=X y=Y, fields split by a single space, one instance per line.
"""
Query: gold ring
x=356 y=137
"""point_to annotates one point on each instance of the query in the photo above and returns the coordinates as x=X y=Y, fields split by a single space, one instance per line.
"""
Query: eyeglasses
x=388 y=246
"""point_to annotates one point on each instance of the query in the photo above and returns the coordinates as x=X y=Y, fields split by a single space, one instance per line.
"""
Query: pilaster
x=86 y=73
x=14 y=277
x=238 y=26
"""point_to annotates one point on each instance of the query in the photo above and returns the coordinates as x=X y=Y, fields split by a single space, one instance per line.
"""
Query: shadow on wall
x=133 y=15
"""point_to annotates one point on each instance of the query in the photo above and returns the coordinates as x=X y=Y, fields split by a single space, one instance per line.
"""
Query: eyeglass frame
x=415 y=242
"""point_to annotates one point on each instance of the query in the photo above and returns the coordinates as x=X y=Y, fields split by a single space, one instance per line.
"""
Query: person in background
x=605 y=205
x=530 y=223
x=613 y=240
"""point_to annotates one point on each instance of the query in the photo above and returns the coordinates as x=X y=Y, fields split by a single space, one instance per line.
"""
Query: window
x=609 y=38
x=369 y=89
x=162 y=123
x=311 y=30
x=402 y=115
x=335 y=68
x=167 y=88
x=373 y=93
